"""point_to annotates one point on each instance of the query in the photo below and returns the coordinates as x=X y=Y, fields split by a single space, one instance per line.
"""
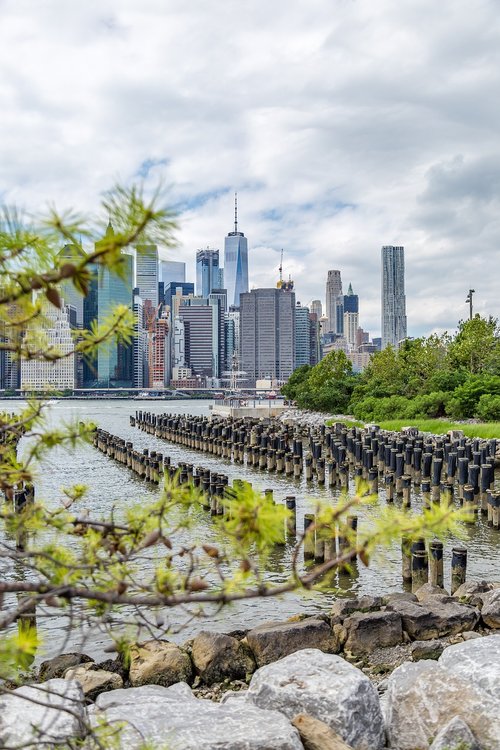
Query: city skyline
x=329 y=167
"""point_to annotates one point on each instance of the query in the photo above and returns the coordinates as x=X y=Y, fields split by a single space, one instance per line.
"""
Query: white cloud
x=343 y=124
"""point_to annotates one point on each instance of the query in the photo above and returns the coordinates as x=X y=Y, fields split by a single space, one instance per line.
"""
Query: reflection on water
x=112 y=486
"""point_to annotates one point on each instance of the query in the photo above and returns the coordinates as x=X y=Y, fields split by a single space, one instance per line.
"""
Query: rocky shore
x=408 y=671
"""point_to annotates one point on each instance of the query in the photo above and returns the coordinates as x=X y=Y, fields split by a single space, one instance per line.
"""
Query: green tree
x=298 y=377
x=476 y=347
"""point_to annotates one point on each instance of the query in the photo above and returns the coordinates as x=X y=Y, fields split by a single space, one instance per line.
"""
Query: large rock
x=478 y=661
x=217 y=657
x=273 y=641
x=429 y=591
x=434 y=618
x=327 y=688
x=471 y=592
x=94 y=680
x=426 y=650
x=421 y=698
x=57 y=666
x=159 y=663
x=343 y=608
x=456 y=735
x=52 y=712
x=172 y=717
x=490 y=611
x=371 y=630
x=316 y=735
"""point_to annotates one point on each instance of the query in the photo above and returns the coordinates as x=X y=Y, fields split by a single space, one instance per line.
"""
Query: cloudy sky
x=343 y=125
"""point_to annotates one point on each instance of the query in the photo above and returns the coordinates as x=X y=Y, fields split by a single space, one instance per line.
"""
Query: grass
x=436 y=426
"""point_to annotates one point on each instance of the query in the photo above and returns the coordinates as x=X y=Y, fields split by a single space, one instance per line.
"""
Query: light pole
x=469 y=300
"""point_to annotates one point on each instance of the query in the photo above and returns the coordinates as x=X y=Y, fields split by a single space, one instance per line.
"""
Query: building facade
x=267 y=334
x=316 y=308
x=334 y=304
x=393 y=296
x=172 y=270
x=209 y=275
x=146 y=273
x=203 y=337
x=302 y=336
x=55 y=336
x=235 y=262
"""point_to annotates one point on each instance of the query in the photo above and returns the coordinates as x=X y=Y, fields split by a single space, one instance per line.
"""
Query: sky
x=343 y=125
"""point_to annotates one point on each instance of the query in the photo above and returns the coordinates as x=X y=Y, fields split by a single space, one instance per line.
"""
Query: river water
x=113 y=486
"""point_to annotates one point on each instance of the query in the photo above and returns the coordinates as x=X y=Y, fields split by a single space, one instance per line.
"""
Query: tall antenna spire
x=236 y=212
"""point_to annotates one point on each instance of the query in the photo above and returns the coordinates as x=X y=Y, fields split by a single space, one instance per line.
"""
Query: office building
x=267 y=334
x=393 y=296
x=351 y=325
x=89 y=363
x=334 y=304
x=160 y=357
x=235 y=262
x=54 y=337
x=351 y=301
x=208 y=274
x=314 y=338
x=316 y=308
x=302 y=336
x=179 y=288
x=146 y=273
x=172 y=270
x=202 y=335
x=139 y=341
x=114 y=361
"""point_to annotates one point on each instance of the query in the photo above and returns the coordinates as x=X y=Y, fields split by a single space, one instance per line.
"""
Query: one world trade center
x=235 y=262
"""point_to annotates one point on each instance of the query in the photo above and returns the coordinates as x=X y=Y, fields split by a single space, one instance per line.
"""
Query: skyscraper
x=208 y=274
x=334 y=303
x=267 y=334
x=235 y=262
x=317 y=308
x=393 y=296
x=302 y=336
x=114 y=361
x=146 y=273
x=351 y=301
x=59 y=374
x=172 y=270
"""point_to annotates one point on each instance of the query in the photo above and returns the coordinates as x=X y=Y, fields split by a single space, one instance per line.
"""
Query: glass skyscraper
x=114 y=360
x=146 y=271
x=208 y=274
x=393 y=296
x=235 y=262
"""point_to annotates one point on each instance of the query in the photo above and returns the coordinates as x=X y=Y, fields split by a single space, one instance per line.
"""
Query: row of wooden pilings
x=419 y=565
x=441 y=467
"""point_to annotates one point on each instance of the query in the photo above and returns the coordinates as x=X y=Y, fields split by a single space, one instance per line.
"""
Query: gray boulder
x=172 y=717
x=371 y=630
x=159 y=663
x=471 y=592
x=426 y=650
x=421 y=698
x=327 y=688
x=456 y=735
x=429 y=591
x=490 y=611
x=476 y=660
x=434 y=618
x=273 y=641
x=217 y=657
x=52 y=712
x=93 y=680
x=57 y=666
x=343 y=608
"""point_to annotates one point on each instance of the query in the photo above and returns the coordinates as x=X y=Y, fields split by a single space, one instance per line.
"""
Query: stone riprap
x=327 y=688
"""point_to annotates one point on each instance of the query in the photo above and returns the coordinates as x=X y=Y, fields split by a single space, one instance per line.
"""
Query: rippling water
x=113 y=486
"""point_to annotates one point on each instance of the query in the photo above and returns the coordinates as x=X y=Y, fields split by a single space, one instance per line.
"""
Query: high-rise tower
x=208 y=274
x=146 y=269
x=334 y=303
x=393 y=296
x=235 y=262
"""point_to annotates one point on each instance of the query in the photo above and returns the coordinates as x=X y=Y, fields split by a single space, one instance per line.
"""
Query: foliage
x=325 y=387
